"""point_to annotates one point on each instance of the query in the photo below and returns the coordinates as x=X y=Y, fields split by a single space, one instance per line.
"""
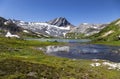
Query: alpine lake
x=81 y=49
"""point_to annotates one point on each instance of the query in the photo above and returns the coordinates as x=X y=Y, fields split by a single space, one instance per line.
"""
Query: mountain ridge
x=110 y=33
x=9 y=26
x=57 y=27
x=88 y=29
x=60 y=21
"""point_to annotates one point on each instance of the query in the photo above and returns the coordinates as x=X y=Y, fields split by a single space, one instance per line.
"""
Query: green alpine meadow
x=59 y=39
x=19 y=59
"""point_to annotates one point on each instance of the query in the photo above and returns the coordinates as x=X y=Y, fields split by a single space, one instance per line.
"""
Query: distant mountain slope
x=109 y=33
x=88 y=29
x=60 y=22
x=2 y=20
x=57 y=28
x=10 y=26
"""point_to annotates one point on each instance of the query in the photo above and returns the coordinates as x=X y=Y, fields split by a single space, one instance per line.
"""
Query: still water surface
x=77 y=49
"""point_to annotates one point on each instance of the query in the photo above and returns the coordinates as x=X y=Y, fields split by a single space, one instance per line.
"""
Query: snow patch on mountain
x=88 y=29
x=44 y=28
x=25 y=31
x=10 y=35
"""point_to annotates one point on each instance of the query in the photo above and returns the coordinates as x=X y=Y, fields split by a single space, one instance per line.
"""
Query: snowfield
x=45 y=28
x=10 y=35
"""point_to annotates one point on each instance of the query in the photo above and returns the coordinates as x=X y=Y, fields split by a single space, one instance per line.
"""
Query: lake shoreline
x=20 y=60
x=111 y=43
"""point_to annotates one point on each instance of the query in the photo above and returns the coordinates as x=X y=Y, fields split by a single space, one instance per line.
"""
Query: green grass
x=19 y=58
x=111 y=37
x=112 y=43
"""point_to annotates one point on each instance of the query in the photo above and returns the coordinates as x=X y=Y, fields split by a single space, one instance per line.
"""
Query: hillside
x=109 y=33
x=88 y=29
x=56 y=28
x=8 y=25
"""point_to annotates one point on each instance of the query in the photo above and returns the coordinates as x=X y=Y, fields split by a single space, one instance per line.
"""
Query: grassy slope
x=111 y=43
x=112 y=37
x=19 y=58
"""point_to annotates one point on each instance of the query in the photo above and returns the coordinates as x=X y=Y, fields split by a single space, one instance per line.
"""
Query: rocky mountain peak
x=2 y=20
x=60 y=21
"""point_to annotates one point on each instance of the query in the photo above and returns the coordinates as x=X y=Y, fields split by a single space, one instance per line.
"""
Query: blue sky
x=76 y=11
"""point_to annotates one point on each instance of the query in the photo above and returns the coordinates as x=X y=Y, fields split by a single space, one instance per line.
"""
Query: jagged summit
x=57 y=27
x=60 y=21
x=2 y=20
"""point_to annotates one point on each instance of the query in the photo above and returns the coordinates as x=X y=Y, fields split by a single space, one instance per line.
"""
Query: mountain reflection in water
x=84 y=51
x=51 y=49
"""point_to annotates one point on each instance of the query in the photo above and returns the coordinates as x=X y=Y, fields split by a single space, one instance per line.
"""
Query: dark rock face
x=61 y=21
x=2 y=20
x=8 y=25
x=13 y=27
